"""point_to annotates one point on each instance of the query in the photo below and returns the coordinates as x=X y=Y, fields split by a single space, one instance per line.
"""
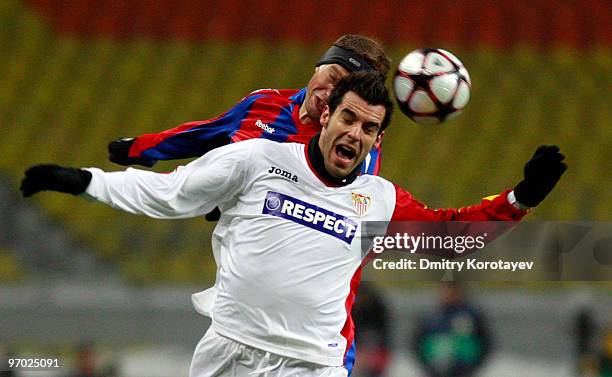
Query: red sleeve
x=194 y=139
x=496 y=208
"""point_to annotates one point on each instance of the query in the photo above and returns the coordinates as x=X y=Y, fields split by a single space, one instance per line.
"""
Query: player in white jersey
x=288 y=236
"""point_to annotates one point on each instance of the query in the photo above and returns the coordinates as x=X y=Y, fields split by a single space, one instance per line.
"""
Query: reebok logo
x=264 y=126
x=283 y=173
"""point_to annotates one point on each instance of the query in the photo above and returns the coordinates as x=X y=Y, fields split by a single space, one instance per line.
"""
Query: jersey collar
x=299 y=96
x=314 y=157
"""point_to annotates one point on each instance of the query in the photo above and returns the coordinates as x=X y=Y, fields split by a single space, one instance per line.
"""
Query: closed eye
x=346 y=113
x=348 y=119
x=371 y=127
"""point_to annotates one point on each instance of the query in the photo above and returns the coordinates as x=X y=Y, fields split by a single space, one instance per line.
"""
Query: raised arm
x=541 y=174
x=188 y=191
x=193 y=139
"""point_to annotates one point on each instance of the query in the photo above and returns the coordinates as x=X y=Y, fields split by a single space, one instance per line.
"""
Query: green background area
x=63 y=98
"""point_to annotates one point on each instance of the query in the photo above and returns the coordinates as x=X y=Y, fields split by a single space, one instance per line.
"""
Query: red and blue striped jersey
x=267 y=113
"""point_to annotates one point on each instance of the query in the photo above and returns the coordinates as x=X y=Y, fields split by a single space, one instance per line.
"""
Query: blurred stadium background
x=76 y=74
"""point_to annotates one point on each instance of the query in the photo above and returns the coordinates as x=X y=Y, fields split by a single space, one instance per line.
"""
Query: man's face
x=349 y=134
x=321 y=84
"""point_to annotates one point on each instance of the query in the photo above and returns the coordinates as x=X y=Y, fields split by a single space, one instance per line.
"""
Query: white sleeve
x=191 y=190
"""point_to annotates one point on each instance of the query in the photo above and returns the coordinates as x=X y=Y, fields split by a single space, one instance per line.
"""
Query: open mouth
x=345 y=153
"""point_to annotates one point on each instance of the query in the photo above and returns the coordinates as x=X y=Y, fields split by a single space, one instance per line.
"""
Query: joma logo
x=283 y=173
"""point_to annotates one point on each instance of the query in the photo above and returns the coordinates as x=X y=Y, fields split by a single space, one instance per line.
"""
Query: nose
x=354 y=131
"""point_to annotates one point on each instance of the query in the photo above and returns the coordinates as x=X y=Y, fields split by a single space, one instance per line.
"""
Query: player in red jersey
x=279 y=115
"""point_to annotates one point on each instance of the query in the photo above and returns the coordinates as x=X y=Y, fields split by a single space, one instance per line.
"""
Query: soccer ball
x=431 y=85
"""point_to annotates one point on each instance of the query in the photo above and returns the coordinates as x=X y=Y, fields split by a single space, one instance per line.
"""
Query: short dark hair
x=368 y=49
x=368 y=85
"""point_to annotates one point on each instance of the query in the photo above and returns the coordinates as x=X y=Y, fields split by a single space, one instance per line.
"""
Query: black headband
x=347 y=59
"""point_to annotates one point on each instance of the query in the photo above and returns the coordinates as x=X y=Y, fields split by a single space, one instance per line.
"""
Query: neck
x=318 y=165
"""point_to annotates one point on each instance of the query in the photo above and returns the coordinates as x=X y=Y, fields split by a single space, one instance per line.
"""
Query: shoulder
x=257 y=155
x=267 y=149
x=246 y=156
x=378 y=184
x=378 y=188
x=274 y=149
x=242 y=150
x=368 y=179
x=274 y=93
x=274 y=97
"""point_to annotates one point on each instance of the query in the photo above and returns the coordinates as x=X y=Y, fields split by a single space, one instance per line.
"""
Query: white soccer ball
x=431 y=85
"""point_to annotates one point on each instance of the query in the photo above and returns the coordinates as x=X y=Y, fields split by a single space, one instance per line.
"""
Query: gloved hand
x=54 y=178
x=118 y=151
x=541 y=173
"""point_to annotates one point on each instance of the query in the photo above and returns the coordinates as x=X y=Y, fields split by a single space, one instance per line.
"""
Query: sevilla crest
x=361 y=203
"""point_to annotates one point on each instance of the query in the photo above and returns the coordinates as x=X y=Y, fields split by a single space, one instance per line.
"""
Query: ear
x=324 y=120
x=379 y=138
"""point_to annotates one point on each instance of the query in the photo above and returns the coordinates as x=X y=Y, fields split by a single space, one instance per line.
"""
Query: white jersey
x=287 y=245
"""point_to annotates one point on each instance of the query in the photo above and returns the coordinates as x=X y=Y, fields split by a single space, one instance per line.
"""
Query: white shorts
x=217 y=356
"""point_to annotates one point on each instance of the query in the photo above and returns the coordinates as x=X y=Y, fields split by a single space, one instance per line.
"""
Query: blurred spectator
x=454 y=340
x=605 y=355
x=585 y=329
x=372 y=333
x=4 y=355
x=85 y=361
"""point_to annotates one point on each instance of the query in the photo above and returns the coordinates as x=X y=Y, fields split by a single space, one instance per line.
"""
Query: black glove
x=542 y=173
x=54 y=178
x=119 y=150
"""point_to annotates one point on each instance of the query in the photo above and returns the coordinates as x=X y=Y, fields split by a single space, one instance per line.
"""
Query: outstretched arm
x=541 y=174
x=190 y=190
x=188 y=140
